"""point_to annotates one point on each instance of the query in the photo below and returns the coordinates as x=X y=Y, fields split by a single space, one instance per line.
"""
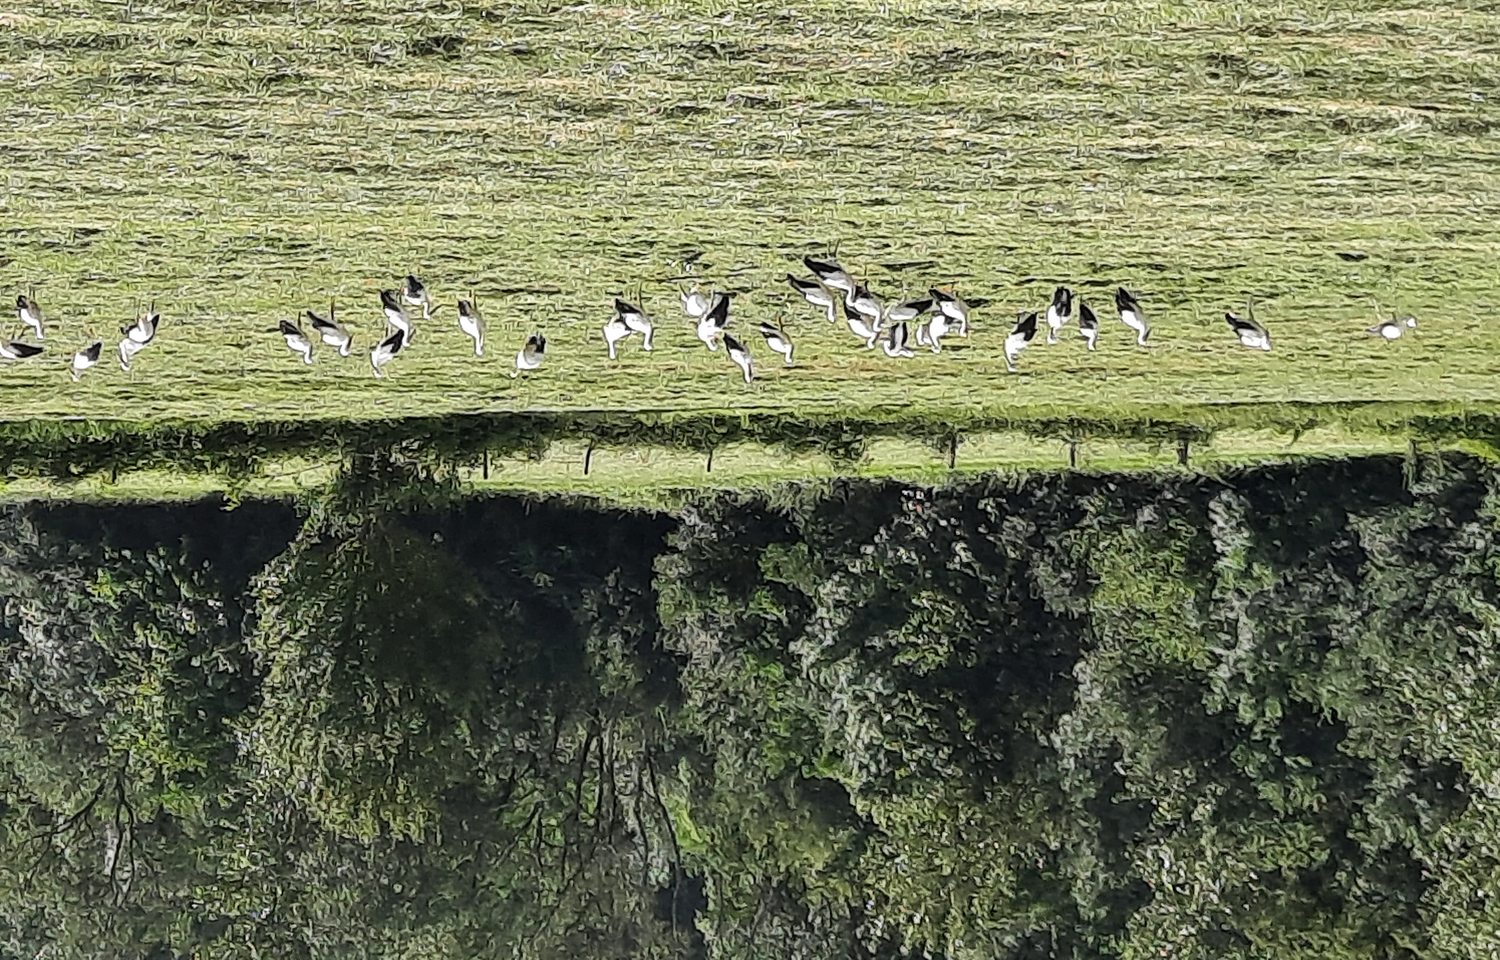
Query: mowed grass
x=241 y=162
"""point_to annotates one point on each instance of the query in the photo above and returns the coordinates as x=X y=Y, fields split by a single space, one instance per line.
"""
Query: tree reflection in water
x=1058 y=716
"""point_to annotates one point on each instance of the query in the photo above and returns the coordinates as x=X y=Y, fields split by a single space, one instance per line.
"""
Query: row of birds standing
x=832 y=289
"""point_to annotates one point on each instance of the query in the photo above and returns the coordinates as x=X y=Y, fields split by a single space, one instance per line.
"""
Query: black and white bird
x=330 y=331
x=778 y=341
x=1393 y=328
x=816 y=294
x=932 y=332
x=908 y=310
x=531 y=355
x=1131 y=315
x=395 y=314
x=85 y=358
x=471 y=322
x=16 y=350
x=711 y=325
x=740 y=355
x=296 y=340
x=1251 y=334
x=831 y=275
x=414 y=292
x=138 y=335
x=954 y=308
x=862 y=328
x=895 y=342
x=636 y=319
x=29 y=312
x=1019 y=338
x=1059 y=312
x=1088 y=324
x=865 y=303
x=386 y=349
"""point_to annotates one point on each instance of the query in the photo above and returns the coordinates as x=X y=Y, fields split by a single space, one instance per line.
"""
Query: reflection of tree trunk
x=1182 y=453
x=952 y=451
x=588 y=457
x=1072 y=454
x=486 y=467
x=708 y=467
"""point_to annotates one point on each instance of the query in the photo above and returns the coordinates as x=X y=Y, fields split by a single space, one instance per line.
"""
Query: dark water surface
x=1059 y=717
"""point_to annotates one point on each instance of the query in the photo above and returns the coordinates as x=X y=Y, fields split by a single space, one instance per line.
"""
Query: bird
x=778 y=341
x=85 y=358
x=414 y=292
x=16 y=350
x=471 y=322
x=1251 y=334
x=386 y=349
x=138 y=335
x=395 y=314
x=636 y=319
x=908 y=310
x=831 y=275
x=694 y=303
x=740 y=355
x=1018 y=338
x=29 y=312
x=1131 y=315
x=531 y=355
x=953 y=306
x=1392 y=329
x=331 y=331
x=816 y=294
x=616 y=330
x=1088 y=324
x=865 y=303
x=296 y=340
x=932 y=332
x=712 y=324
x=895 y=341
x=866 y=331
x=1059 y=312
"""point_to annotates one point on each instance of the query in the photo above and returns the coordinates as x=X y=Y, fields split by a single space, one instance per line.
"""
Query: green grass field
x=241 y=162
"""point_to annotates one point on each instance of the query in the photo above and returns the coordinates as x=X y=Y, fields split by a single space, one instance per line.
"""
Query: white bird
x=1251 y=334
x=778 y=341
x=296 y=340
x=331 y=331
x=414 y=292
x=636 y=319
x=471 y=322
x=16 y=350
x=1392 y=329
x=954 y=308
x=616 y=330
x=1088 y=324
x=395 y=314
x=895 y=343
x=86 y=358
x=694 y=303
x=1131 y=315
x=1058 y=312
x=933 y=331
x=1018 y=339
x=866 y=331
x=865 y=303
x=712 y=325
x=831 y=275
x=909 y=310
x=386 y=349
x=816 y=294
x=531 y=355
x=739 y=355
x=29 y=312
